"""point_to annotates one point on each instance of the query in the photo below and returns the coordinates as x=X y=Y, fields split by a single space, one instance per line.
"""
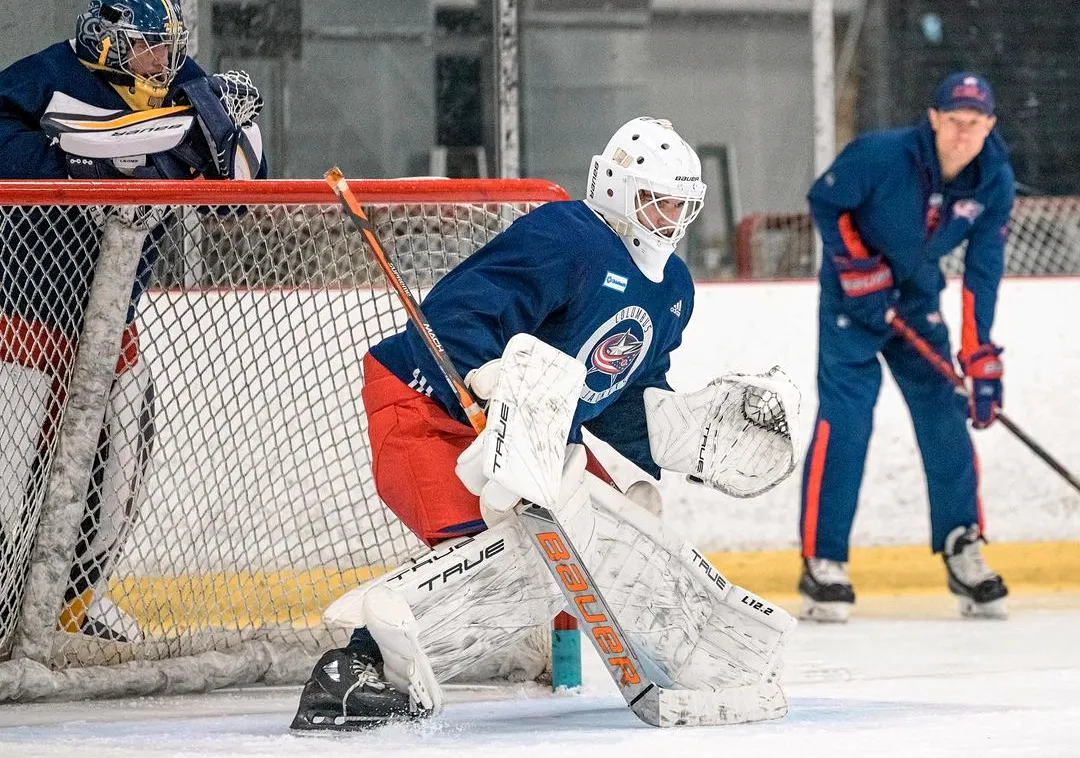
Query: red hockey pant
x=414 y=448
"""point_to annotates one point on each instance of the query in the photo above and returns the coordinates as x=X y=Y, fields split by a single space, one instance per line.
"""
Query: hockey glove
x=869 y=291
x=983 y=368
x=225 y=103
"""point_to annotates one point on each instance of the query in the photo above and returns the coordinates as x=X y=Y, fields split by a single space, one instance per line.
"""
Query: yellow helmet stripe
x=105 y=45
x=172 y=24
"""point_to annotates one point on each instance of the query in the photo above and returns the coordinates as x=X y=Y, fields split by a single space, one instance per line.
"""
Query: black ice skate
x=347 y=691
x=979 y=588
x=827 y=594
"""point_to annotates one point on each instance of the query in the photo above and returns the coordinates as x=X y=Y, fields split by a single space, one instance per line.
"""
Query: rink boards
x=1032 y=517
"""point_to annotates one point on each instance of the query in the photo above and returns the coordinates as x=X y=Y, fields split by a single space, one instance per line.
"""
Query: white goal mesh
x=218 y=488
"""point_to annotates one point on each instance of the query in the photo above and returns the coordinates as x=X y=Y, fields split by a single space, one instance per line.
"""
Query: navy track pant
x=848 y=382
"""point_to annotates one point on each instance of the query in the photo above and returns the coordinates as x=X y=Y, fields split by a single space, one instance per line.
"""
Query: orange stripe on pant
x=969 y=333
x=813 y=489
x=850 y=235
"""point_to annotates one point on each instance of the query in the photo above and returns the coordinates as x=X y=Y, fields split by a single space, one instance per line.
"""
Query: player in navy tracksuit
x=617 y=301
x=888 y=208
x=128 y=56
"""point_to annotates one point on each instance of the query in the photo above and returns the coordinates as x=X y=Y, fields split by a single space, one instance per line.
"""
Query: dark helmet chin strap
x=113 y=76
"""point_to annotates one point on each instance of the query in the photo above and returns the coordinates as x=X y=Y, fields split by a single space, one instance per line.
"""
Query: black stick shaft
x=923 y=348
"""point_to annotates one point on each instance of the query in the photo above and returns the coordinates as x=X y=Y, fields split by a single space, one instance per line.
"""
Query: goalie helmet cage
x=254 y=505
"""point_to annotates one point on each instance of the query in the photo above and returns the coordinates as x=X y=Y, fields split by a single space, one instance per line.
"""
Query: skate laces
x=968 y=563
x=366 y=675
x=828 y=572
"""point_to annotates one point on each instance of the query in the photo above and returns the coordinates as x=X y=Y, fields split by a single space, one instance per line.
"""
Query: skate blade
x=995 y=609
x=826 y=613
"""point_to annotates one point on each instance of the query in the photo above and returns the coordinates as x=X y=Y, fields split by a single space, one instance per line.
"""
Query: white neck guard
x=648 y=256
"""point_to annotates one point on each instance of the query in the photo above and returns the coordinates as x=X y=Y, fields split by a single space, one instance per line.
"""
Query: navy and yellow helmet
x=113 y=33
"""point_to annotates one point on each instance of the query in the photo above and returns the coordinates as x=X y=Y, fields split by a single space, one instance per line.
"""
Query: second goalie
x=595 y=280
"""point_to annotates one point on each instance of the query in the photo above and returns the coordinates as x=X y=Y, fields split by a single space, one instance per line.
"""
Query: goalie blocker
x=212 y=134
x=711 y=650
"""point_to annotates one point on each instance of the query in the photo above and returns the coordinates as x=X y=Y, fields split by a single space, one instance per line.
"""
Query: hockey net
x=1044 y=238
x=231 y=497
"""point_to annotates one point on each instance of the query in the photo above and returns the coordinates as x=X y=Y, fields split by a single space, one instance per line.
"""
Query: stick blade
x=662 y=707
x=333 y=176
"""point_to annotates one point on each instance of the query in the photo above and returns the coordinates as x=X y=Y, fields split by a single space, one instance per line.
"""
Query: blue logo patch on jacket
x=615 y=282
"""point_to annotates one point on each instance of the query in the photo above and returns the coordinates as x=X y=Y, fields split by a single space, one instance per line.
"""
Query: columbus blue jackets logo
x=613 y=352
x=969 y=209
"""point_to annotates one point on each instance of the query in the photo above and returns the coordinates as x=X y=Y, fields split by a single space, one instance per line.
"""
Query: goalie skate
x=348 y=691
x=105 y=620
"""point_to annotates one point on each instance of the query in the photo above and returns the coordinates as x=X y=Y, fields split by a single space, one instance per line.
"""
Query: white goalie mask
x=647 y=186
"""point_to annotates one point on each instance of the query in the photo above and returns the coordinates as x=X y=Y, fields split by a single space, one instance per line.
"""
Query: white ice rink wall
x=735 y=327
x=749 y=327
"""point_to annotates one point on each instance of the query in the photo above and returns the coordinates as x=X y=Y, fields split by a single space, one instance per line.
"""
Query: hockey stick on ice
x=650 y=702
x=945 y=368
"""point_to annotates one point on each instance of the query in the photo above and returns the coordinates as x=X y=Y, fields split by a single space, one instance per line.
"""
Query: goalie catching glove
x=735 y=435
x=226 y=106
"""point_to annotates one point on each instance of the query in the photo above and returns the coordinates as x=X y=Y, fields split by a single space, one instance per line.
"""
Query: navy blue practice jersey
x=561 y=274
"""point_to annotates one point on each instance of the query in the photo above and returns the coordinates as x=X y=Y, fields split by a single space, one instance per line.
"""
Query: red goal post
x=1044 y=239
x=231 y=497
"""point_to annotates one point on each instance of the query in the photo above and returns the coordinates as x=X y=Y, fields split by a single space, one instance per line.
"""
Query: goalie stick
x=945 y=368
x=649 y=701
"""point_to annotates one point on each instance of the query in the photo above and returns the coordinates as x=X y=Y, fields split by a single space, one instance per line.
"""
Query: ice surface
x=919 y=686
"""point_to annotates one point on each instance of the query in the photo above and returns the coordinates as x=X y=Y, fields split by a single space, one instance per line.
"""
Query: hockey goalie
x=121 y=100
x=563 y=322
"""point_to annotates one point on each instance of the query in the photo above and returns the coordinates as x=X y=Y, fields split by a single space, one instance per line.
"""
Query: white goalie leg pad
x=114 y=500
x=129 y=425
x=473 y=597
x=25 y=396
x=735 y=435
x=692 y=628
x=396 y=631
